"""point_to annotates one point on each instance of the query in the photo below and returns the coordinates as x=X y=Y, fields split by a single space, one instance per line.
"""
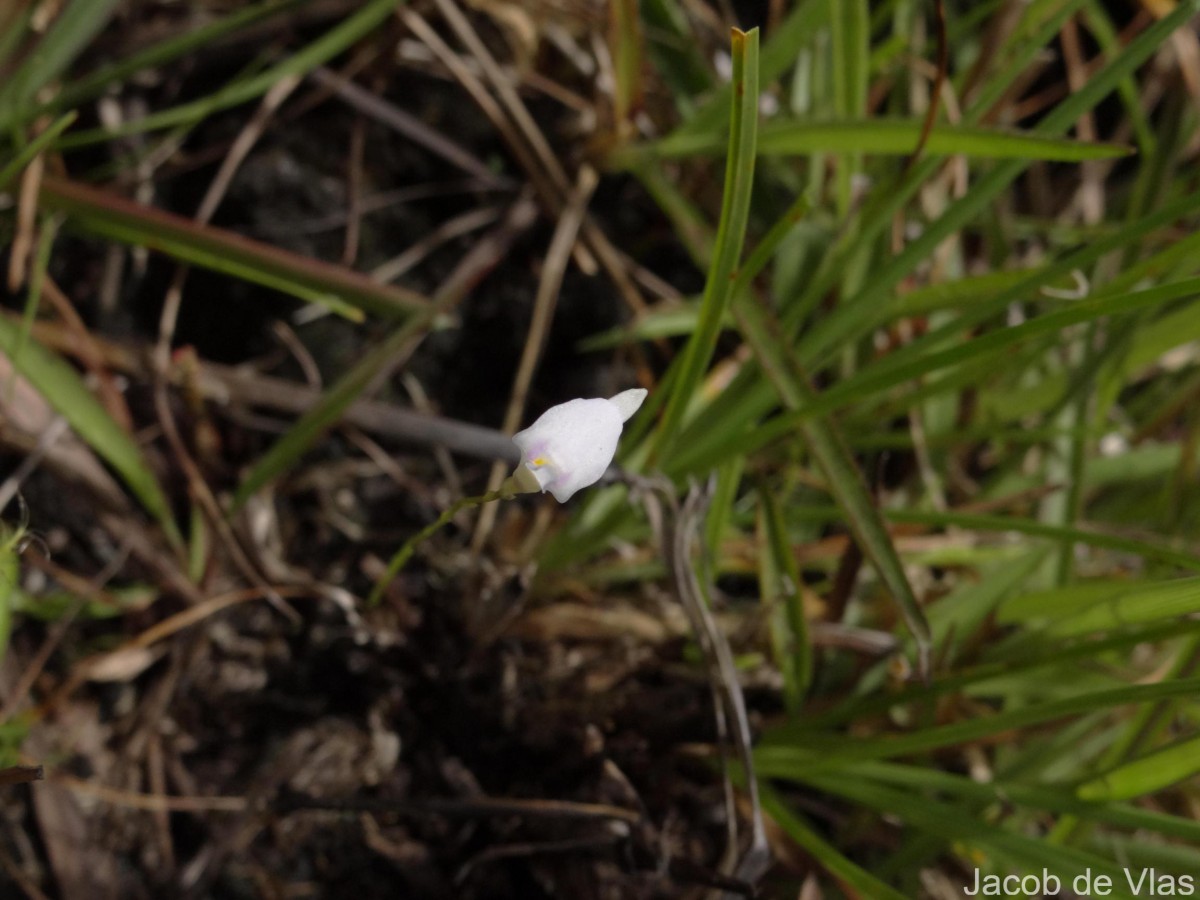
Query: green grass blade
x=10 y=570
x=66 y=392
x=627 y=49
x=851 y=46
x=984 y=191
x=13 y=167
x=670 y=45
x=319 y=52
x=285 y=452
x=954 y=823
x=722 y=427
x=14 y=29
x=68 y=35
x=891 y=371
x=1157 y=550
x=731 y=233
x=1105 y=605
x=777 y=55
x=1147 y=775
x=838 y=466
x=166 y=51
x=223 y=251
x=1036 y=796
x=897 y=137
x=826 y=750
x=827 y=855
x=781 y=584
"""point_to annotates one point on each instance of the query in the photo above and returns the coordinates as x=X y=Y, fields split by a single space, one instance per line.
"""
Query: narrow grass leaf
x=892 y=137
x=74 y=28
x=166 y=51
x=845 y=480
x=625 y=43
x=319 y=52
x=670 y=45
x=956 y=824
x=1091 y=607
x=9 y=574
x=827 y=856
x=285 y=452
x=1147 y=775
x=890 y=371
x=731 y=233
x=1035 y=796
x=829 y=750
x=66 y=392
x=851 y=48
x=26 y=154
x=780 y=584
x=990 y=185
x=778 y=54
x=343 y=290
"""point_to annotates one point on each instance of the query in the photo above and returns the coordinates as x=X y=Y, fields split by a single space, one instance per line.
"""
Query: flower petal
x=571 y=445
x=628 y=402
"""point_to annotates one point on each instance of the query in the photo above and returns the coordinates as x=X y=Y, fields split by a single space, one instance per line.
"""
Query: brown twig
x=410 y=126
x=939 y=81
x=110 y=396
x=554 y=267
x=198 y=487
x=21 y=775
x=84 y=201
x=678 y=528
x=472 y=808
x=354 y=186
x=148 y=802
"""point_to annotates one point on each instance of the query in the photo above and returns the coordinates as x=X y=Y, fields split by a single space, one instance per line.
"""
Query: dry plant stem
x=239 y=386
x=158 y=788
x=420 y=401
x=148 y=802
x=24 y=240
x=199 y=488
x=160 y=631
x=538 y=177
x=354 y=183
x=19 y=878
x=526 y=142
x=76 y=198
x=408 y=125
x=475 y=807
x=1089 y=197
x=554 y=268
x=89 y=354
x=507 y=94
x=679 y=528
x=35 y=666
x=21 y=775
x=472 y=220
x=45 y=442
x=939 y=80
x=408 y=547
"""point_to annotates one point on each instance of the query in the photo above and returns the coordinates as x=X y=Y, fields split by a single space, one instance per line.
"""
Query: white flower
x=571 y=445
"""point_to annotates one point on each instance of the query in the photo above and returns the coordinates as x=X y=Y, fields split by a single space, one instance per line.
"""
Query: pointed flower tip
x=629 y=402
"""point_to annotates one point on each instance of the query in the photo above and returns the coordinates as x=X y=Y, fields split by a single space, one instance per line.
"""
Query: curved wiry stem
x=509 y=488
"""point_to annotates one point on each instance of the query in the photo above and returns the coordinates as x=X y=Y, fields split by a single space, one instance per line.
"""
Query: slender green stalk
x=731 y=233
x=404 y=554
